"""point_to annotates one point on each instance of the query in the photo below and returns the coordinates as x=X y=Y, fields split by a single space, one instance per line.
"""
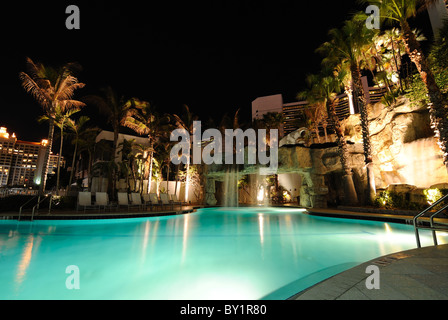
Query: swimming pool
x=214 y=253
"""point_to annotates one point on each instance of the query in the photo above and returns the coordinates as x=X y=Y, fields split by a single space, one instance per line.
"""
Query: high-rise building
x=21 y=161
x=293 y=112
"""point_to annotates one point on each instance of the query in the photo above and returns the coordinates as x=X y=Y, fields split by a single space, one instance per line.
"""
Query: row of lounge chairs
x=133 y=200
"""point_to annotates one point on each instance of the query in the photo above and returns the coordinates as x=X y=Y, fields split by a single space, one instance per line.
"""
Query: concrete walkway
x=417 y=274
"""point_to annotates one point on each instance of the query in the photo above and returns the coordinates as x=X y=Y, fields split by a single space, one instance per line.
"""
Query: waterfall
x=231 y=187
x=262 y=191
x=420 y=164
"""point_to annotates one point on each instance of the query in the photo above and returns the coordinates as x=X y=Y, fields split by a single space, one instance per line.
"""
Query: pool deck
x=416 y=274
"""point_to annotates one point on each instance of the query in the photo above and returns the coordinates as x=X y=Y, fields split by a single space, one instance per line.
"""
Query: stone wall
x=404 y=151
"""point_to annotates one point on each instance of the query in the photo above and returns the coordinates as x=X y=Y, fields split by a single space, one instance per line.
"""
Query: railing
x=432 y=226
x=49 y=195
x=21 y=207
x=36 y=206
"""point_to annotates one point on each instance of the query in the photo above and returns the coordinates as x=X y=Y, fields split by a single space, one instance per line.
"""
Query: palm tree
x=399 y=11
x=186 y=122
x=144 y=154
x=315 y=110
x=60 y=119
x=87 y=144
x=127 y=163
x=345 y=48
x=78 y=129
x=144 y=120
x=329 y=85
x=53 y=89
x=274 y=120
x=115 y=108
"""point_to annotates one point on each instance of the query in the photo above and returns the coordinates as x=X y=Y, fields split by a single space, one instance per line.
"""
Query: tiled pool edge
x=373 y=216
x=97 y=215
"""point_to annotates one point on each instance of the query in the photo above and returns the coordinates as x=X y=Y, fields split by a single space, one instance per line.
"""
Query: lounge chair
x=85 y=201
x=123 y=200
x=154 y=200
x=166 y=200
x=102 y=200
x=146 y=199
x=174 y=201
x=136 y=200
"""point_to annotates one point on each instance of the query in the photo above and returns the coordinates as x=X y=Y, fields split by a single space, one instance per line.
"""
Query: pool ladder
x=36 y=206
x=432 y=225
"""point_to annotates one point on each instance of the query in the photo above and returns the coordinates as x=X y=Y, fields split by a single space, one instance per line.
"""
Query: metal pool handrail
x=432 y=227
x=37 y=204
x=21 y=207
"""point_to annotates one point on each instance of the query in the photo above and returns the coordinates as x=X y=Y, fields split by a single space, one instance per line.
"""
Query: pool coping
x=95 y=214
x=375 y=216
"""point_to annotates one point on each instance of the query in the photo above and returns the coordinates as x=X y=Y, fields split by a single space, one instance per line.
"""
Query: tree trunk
x=59 y=159
x=167 y=177
x=396 y=65
x=113 y=176
x=73 y=164
x=177 y=179
x=46 y=162
x=360 y=99
x=89 y=174
x=350 y=195
x=436 y=104
x=316 y=130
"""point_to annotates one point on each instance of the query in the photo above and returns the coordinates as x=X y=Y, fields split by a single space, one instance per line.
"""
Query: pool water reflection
x=214 y=253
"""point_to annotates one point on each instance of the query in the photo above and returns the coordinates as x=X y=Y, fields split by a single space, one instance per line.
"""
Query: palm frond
x=67 y=87
x=34 y=89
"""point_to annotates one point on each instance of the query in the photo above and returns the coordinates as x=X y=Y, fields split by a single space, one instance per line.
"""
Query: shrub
x=395 y=200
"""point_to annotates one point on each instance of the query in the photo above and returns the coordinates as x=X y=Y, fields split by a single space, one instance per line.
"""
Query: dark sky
x=214 y=56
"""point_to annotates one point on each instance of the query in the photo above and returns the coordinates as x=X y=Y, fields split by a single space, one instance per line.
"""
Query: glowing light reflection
x=26 y=259
x=261 y=227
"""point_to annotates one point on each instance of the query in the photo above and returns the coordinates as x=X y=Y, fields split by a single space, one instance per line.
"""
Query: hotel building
x=293 y=111
x=21 y=162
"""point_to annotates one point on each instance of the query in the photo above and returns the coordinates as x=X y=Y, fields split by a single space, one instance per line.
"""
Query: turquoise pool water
x=222 y=253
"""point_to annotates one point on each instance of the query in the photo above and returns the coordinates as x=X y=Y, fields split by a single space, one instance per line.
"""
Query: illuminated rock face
x=404 y=149
x=404 y=152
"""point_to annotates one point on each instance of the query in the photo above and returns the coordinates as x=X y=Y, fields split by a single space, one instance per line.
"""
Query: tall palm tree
x=60 y=119
x=78 y=129
x=52 y=89
x=328 y=85
x=399 y=11
x=345 y=48
x=144 y=120
x=115 y=108
x=186 y=122
x=86 y=145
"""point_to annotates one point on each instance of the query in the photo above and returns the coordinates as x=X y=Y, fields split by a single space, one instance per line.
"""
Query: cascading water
x=231 y=187
x=419 y=163
x=262 y=190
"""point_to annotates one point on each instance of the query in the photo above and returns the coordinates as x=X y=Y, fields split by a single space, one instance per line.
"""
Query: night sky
x=214 y=56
